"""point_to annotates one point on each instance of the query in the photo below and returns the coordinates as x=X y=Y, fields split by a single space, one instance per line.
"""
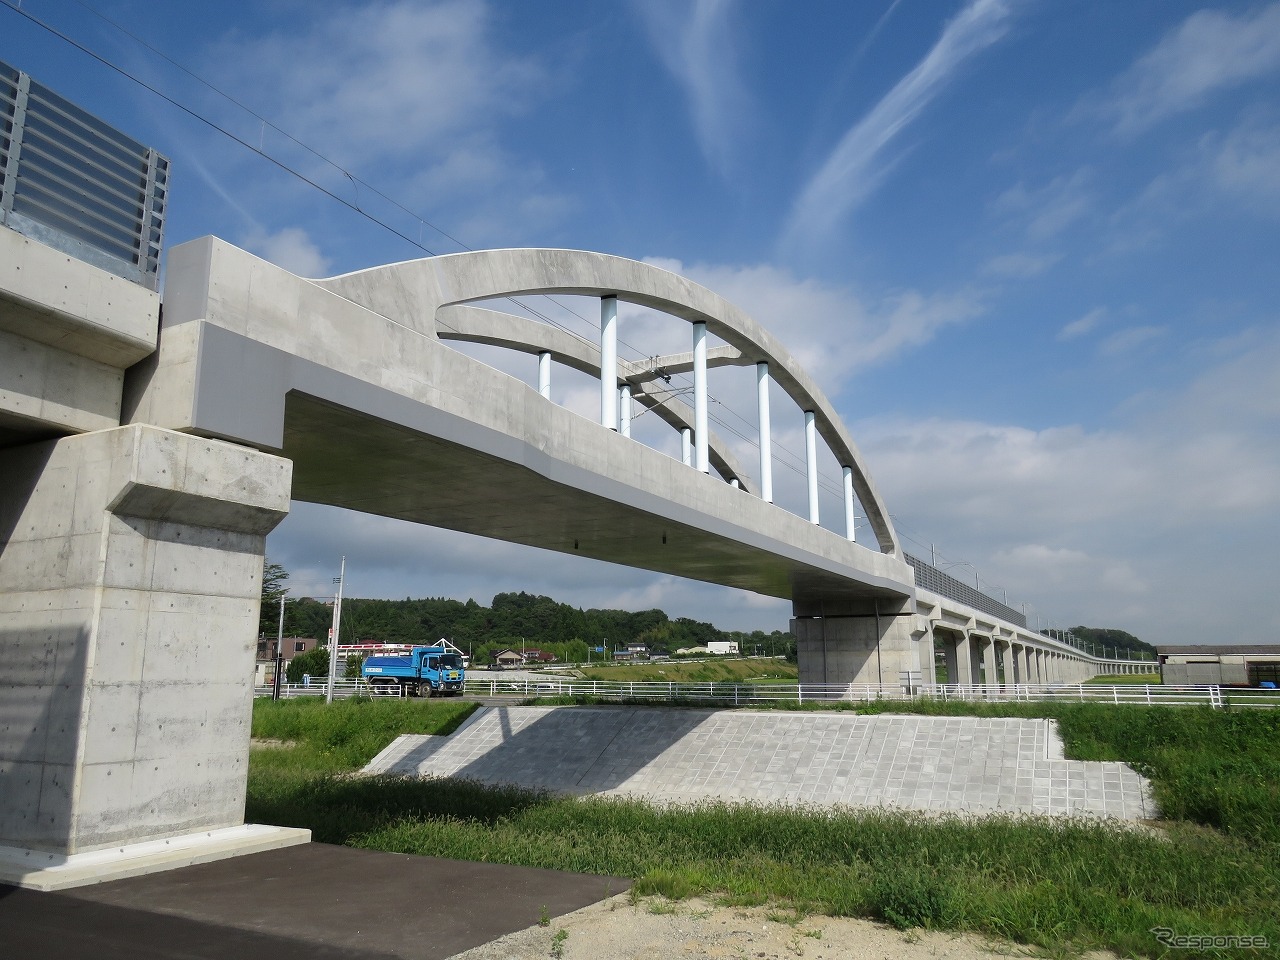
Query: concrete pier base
x=855 y=641
x=130 y=577
x=36 y=870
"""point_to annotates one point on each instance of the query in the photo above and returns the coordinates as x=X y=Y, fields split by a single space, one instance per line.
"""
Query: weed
x=544 y=918
x=557 y=943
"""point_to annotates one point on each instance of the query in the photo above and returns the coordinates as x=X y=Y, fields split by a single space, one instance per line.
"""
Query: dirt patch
x=617 y=929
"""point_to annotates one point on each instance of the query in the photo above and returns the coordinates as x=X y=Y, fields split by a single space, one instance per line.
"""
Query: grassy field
x=1127 y=678
x=736 y=670
x=1213 y=870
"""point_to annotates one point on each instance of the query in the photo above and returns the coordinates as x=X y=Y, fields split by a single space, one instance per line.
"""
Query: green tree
x=352 y=670
x=274 y=586
x=313 y=662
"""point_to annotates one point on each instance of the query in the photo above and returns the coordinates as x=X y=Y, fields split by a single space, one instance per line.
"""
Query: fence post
x=1147 y=687
x=799 y=693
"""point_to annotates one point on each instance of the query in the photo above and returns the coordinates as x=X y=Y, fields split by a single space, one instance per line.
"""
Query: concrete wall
x=68 y=331
x=855 y=642
x=130 y=565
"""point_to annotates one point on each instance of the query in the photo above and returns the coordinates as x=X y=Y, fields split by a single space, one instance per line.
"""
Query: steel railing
x=738 y=694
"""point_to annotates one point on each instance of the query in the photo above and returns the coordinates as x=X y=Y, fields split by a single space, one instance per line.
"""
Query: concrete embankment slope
x=960 y=764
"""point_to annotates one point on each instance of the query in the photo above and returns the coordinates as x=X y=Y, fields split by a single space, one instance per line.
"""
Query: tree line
x=514 y=620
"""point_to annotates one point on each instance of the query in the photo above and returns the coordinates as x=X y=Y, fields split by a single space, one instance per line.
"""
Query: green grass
x=737 y=670
x=1125 y=679
x=1078 y=885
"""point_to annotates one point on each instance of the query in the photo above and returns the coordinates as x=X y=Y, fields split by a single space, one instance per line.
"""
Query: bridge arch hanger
x=436 y=296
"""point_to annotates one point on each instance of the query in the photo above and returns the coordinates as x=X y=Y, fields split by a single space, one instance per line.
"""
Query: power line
x=825 y=480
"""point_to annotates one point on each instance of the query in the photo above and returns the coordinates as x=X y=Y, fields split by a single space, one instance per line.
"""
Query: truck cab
x=425 y=672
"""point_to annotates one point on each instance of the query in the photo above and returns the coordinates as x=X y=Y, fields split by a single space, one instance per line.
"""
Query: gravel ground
x=615 y=929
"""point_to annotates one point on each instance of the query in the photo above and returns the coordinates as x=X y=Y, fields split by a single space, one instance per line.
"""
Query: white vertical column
x=609 y=362
x=686 y=446
x=624 y=409
x=544 y=374
x=766 y=440
x=850 y=526
x=702 y=462
x=811 y=462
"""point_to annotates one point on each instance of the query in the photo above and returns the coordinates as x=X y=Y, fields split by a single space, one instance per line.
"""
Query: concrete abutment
x=130 y=577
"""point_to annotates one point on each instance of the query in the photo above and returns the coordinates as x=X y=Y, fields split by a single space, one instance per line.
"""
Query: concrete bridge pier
x=130 y=577
x=858 y=640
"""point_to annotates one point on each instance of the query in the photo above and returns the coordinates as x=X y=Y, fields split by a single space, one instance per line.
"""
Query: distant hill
x=512 y=620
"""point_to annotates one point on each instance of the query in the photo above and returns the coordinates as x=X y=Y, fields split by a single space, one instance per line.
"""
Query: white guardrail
x=739 y=694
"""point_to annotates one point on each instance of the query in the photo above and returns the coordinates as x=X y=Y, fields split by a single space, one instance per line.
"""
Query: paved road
x=309 y=902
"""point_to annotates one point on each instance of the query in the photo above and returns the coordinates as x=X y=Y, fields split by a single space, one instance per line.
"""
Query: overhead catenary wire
x=826 y=482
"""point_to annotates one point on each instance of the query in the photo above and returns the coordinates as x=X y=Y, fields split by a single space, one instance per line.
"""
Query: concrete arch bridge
x=147 y=452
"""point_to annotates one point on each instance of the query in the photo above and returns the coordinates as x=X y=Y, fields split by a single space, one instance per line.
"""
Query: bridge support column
x=131 y=564
x=967 y=648
x=1013 y=665
x=990 y=671
x=854 y=641
x=811 y=462
x=766 y=442
x=700 y=427
x=609 y=362
x=926 y=654
x=544 y=374
x=850 y=525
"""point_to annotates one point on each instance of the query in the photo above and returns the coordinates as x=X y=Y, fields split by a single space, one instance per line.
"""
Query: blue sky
x=1028 y=248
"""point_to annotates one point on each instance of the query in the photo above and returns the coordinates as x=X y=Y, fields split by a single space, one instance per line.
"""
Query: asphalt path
x=314 y=901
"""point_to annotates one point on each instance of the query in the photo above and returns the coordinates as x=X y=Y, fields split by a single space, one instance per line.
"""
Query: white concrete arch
x=492 y=327
x=414 y=291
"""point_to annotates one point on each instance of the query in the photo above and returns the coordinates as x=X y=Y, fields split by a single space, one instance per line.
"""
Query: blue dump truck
x=426 y=672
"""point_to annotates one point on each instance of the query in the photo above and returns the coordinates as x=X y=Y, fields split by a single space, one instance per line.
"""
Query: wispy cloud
x=291 y=248
x=1086 y=324
x=401 y=76
x=696 y=45
x=856 y=167
x=830 y=329
x=1210 y=51
x=1048 y=210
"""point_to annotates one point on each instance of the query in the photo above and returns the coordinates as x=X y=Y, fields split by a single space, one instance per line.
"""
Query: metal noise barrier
x=73 y=182
x=931 y=578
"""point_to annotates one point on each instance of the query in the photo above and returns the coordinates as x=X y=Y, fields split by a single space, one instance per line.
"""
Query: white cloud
x=1046 y=211
x=1247 y=166
x=291 y=248
x=1208 y=52
x=855 y=168
x=383 y=80
x=1158 y=524
x=1123 y=341
x=696 y=43
x=830 y=330
x=1086 y=324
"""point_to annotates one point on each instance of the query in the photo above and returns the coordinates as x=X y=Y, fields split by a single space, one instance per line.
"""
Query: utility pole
x=275 y=686
x=337 y=625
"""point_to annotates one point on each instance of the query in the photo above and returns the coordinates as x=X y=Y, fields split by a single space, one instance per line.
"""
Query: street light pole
x=337 y=625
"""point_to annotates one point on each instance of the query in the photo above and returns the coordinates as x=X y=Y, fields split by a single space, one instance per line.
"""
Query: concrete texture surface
x=68 y=331
x=348 y=379
x=131 y=565
x=311 y=902
x=952 y=764
x=36 y=870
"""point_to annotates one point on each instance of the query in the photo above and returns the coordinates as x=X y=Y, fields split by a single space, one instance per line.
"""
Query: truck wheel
x=426 y=691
